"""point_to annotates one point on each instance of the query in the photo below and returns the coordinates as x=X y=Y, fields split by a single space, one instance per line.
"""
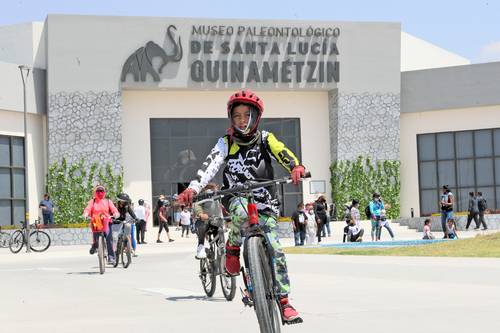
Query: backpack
x=482 y=205
x=98 y=221
x=368 y=212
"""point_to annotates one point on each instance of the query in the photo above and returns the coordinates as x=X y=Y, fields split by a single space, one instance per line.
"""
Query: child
x=311 y=228
x=185 y=220
x=451 y=229
x=245 y=153
x=427 y=230
x=354 y=231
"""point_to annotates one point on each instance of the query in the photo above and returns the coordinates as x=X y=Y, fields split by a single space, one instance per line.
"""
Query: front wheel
x=39 y=241
x=207 y=276
x=101 y=245
x=266 y=306
x=228 y=283
x=16 y=241
x=119 y=249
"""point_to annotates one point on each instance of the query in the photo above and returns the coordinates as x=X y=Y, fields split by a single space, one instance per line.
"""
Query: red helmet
x=249 y=98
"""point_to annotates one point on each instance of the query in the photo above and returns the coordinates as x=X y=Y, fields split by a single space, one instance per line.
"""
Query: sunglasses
x=100 y=191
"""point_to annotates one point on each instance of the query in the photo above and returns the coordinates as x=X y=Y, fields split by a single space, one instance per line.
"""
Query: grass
x=479 y=246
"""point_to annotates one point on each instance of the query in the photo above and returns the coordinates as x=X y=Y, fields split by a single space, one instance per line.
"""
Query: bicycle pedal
x=294 y=321
x=247 y=301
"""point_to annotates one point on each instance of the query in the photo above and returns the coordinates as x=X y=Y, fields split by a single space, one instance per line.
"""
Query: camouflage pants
x=237 y=209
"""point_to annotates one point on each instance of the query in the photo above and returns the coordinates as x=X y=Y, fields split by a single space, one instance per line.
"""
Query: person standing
x=299 y=222
x=446 y=202
x=161 y=215
x=482 y=206
x=140 y=212
x=320 y=210
x=185 y=220
x=473 y=211
x=376 y=206
x=311 y=226
x=47 y=207
x=176 y=208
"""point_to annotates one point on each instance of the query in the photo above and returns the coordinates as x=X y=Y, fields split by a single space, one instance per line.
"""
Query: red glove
x=297 y=173
x=186 y=196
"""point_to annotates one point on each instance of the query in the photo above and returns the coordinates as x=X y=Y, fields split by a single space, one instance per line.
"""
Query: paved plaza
x=61 y=291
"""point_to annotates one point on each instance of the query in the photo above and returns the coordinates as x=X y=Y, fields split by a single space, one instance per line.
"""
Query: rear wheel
x=126 y=253
x=101 y=244
x=16 y=241
x=39 y=241
x=207 y=276
x=228 y=283
x=266 y=306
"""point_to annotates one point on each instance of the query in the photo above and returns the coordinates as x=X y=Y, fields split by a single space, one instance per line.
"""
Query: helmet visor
x=244 y=118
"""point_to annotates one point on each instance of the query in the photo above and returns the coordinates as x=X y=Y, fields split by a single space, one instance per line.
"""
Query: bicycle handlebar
x=245 y=188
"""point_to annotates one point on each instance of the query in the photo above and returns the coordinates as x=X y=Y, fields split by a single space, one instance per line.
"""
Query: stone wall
x=285 y=230
x=85 y=125
x=364 y=124
x=492 y=221
x=67 y=236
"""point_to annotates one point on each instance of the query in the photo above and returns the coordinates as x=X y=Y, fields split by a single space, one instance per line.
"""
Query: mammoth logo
x=140 y=63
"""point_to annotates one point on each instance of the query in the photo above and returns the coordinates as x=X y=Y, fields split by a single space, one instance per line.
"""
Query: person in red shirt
x=102 y=208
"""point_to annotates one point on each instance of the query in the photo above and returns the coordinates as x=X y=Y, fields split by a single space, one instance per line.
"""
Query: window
x=179 y=146
x=467 y=161
x=12 y=196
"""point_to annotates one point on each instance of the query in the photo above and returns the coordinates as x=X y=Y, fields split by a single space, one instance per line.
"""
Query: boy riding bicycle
x=247 y=154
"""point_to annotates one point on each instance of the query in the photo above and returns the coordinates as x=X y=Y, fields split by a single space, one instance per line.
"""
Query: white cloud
x=489 y=52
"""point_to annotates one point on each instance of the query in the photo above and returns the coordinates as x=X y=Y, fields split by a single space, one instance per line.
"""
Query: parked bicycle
x=213 y=265
x=121 y=231
x=259 y=276
x=4 y=238
x=39 y=241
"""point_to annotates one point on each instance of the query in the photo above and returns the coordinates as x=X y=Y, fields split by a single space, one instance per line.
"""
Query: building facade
x=148 y=94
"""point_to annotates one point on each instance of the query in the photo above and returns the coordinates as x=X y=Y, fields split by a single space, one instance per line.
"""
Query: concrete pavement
x=61 y=291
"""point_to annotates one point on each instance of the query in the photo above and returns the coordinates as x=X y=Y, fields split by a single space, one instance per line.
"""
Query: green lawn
x=480 y=246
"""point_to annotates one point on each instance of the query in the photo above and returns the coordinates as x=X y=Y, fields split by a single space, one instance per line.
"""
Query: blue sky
x=468 y=28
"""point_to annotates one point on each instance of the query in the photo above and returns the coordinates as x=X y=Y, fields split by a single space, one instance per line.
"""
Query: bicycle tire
x=119 y=250
x=4 y=239
x=101 y=244
x=265 y=304
x=126 y=254
x=16 y=241
x=40 y=242
x=207 y=276
x=227 y=283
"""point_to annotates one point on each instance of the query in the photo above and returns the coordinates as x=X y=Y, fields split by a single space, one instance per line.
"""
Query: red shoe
x=232 y=259
x=288 y=311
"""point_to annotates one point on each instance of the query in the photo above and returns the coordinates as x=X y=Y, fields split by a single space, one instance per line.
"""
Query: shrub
x=71 y=187
x=358 y=179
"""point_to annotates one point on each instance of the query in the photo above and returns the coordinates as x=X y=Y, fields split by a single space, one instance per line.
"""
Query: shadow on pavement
x=194 y=298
